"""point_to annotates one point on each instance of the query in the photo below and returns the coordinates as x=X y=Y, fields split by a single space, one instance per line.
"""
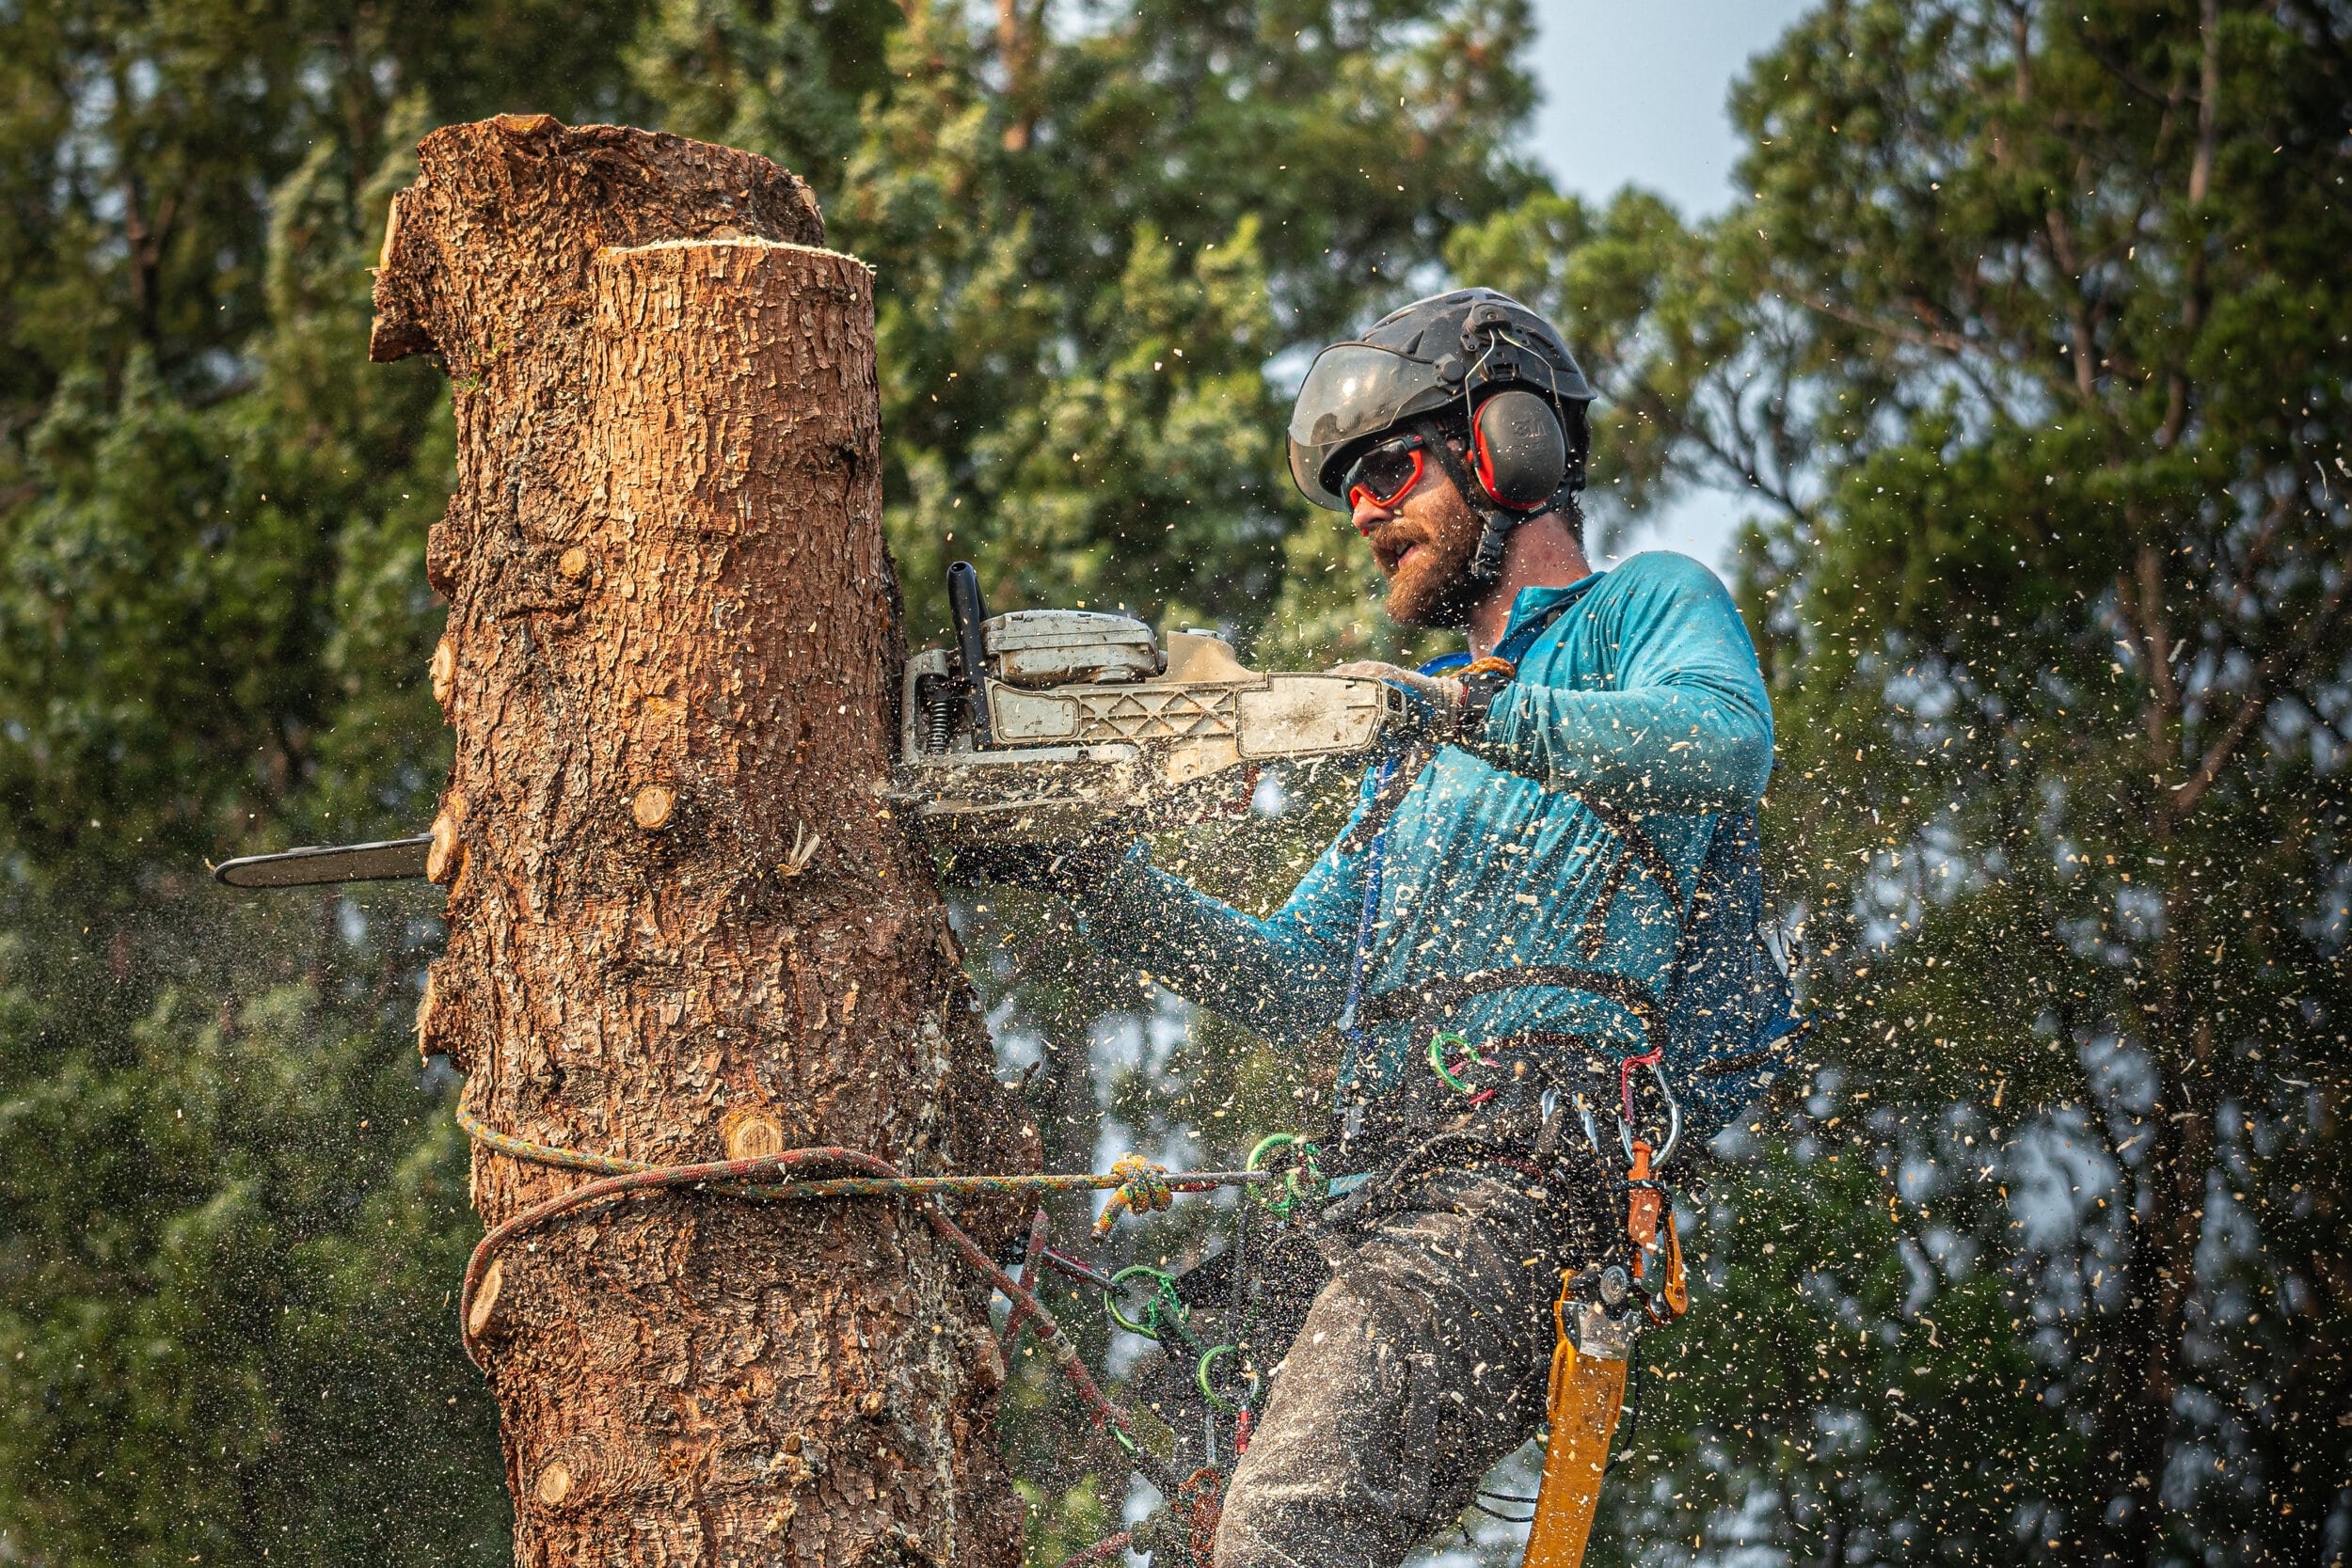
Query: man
x=1512 y=888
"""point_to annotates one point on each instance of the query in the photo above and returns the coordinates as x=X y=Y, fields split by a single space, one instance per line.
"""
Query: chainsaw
x=1039 y=727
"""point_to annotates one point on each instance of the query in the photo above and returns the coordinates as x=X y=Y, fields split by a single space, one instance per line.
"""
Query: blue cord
x=1361 y=961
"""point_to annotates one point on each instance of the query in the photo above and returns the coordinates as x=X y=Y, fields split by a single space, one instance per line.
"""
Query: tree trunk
x=673 y=634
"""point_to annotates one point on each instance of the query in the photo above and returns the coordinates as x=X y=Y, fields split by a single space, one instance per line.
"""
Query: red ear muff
x=1519 y=450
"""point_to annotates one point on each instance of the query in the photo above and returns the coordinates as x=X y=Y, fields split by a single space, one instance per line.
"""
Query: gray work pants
x=1420 y=1365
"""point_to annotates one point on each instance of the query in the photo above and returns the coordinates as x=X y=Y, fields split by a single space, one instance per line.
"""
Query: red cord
x=1101 y=1551
x=1625 y=1077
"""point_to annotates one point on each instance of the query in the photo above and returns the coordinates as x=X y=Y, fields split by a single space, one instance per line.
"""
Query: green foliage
x=236 y=1342
x=2028 y=348
x=1810 y=1369
x=230 y=1203
x=1083 y=274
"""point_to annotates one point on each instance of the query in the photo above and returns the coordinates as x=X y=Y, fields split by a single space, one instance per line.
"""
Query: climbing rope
x=1147 y=1179
x=1142 y=1186
x=1109 y=1549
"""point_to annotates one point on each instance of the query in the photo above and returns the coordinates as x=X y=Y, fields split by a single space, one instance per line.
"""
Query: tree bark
x=673 y=634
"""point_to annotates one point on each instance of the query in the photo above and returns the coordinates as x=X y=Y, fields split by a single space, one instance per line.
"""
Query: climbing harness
x=1641 y=1281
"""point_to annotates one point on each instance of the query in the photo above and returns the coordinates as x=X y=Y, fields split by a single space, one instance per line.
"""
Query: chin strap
x=1485 y=566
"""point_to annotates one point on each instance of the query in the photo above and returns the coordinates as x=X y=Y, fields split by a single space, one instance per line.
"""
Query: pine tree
x=2029 y=347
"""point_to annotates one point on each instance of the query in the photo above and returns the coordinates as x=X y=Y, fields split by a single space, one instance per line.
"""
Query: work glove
x=1069 y=869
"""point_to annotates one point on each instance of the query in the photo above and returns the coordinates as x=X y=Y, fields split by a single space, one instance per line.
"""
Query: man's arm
x=1284 y=976
x=1687 y=726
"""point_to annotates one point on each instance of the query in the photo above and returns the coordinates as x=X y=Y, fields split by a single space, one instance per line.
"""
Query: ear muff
x=1517 y=449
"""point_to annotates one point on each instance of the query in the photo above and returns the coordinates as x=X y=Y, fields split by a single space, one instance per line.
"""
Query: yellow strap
x=1587 y=1392
x=1678 y=1282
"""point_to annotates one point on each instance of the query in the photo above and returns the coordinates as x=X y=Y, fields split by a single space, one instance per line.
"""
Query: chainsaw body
x=1074 y=717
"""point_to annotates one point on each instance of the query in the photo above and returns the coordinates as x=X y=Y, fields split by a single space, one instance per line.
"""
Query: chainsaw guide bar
x=317 y=866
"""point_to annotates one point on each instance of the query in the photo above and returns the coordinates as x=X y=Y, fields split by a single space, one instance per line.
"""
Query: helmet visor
x=1355 y=389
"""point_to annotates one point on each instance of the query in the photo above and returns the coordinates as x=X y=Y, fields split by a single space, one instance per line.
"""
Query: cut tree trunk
x=673 y=633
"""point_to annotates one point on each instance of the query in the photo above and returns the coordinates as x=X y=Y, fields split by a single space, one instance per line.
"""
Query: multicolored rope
x=1129 y=1177
x=769 y=1176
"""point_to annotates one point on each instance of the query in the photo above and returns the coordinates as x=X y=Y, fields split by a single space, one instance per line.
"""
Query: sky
x=1634 y=92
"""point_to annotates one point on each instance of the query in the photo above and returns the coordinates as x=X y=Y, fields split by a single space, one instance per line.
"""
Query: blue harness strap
x=1726 y=1008
x=1373 y=860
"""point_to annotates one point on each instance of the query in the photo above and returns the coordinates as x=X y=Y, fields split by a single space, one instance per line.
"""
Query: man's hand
x=1444 y=708
x=1442 y=693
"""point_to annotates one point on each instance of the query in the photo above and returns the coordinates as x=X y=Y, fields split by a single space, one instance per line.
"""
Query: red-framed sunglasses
x=1385 y=474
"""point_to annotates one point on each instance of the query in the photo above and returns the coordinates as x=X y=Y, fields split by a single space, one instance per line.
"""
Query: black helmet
x=1442 y=354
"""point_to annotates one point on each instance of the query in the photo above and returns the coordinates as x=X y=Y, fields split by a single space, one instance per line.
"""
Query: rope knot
x=1143 y=1188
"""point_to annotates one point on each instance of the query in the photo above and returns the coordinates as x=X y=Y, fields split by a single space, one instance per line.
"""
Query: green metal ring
x=1437 y=1060
x=1294 y=1192
x=1267 y=1145
x=1163 y=1285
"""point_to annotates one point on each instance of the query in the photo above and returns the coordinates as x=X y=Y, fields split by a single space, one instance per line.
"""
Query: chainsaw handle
x=970 y=610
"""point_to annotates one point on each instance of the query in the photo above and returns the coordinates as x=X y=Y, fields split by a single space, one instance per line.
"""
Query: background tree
x=230 y=1203
x=2031 y=346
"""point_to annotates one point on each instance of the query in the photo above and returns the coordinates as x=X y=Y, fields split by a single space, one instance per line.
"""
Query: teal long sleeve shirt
x=1644 y=695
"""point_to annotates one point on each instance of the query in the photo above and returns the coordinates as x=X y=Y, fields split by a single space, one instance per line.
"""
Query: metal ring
x=1271 y=1141
x=1592 y=1131
x=1674 y=1123
x=1162 y=1282
x=1201 y=1379
x=1294 y=1192
x=1437 y=1060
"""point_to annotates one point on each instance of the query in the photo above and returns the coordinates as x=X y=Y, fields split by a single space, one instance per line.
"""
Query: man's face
x=1424 y=542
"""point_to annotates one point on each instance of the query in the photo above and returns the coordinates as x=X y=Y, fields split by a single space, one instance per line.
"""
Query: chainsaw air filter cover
x=1066 y=647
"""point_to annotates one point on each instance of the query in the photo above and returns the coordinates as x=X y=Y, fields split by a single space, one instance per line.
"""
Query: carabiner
x=1217 y=1402
x=1163 y=1295
x=1293 y=1192
x=1438 y=1061
x=1673 y=1109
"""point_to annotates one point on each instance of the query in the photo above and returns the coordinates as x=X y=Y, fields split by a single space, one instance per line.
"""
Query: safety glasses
x=1384 y=475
